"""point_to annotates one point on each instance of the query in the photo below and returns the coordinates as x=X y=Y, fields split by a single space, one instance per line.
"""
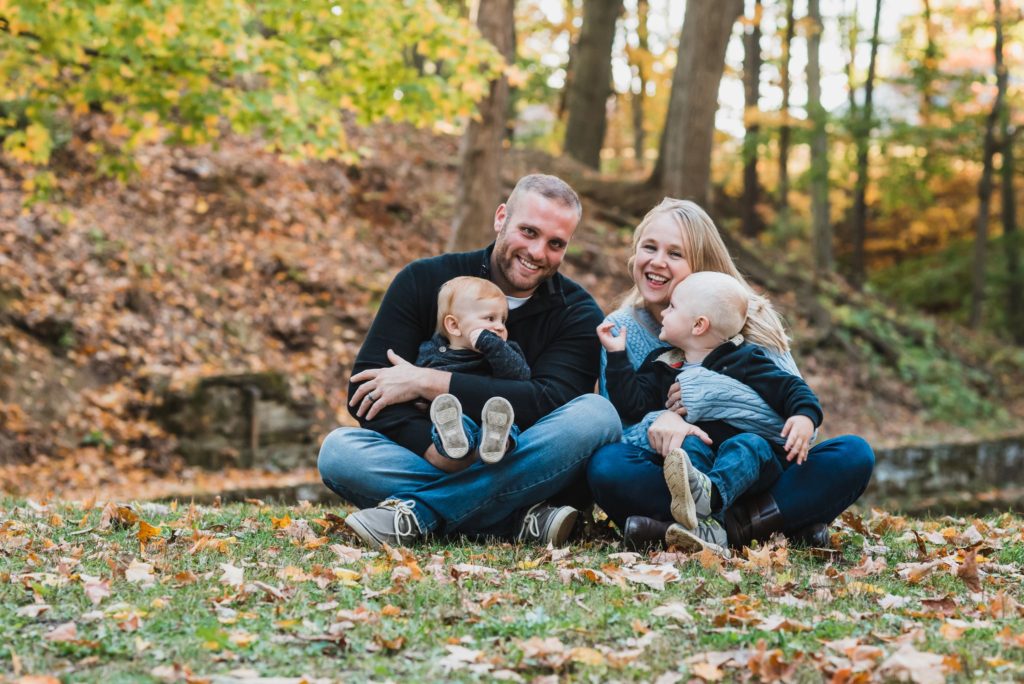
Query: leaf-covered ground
x=150 y=592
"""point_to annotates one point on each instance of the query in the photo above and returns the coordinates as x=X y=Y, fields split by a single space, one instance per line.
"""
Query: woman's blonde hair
x=705 y=251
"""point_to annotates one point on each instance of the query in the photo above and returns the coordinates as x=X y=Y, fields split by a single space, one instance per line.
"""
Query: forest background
x=194 y=191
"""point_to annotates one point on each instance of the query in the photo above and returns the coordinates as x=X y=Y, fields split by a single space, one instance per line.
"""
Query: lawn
x=247 y=592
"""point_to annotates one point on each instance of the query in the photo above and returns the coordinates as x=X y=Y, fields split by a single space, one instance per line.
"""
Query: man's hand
x=674 y=402
x=668 y=431
x=398 y=384
x=798 y=432
x=611 y=342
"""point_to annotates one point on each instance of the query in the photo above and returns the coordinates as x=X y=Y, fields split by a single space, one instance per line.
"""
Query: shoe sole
x=364 y=532
x=561 y=525
x=687 y=541
x=677 y=477
x=497 y=418
x=446 y=415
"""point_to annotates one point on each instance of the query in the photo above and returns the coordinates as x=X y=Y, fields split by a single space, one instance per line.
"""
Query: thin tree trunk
x=985 y=184
x=1011 y=236
x=479 y=190
x=643 y=50
x=821 y=223
x=860 y=209
x=684 y=163
x=752 y=224
x=784 y=129
x=591 y=82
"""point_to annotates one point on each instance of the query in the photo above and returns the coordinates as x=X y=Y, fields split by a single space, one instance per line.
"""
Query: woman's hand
x=674 y=402
x=668 y=431
x=798 y=432
x=610 y=342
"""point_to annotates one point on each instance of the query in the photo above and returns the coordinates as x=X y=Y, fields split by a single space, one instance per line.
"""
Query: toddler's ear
x=451 y=326
x=701 y=324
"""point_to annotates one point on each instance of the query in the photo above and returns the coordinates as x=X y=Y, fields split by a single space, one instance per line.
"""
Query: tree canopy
x=189 y=71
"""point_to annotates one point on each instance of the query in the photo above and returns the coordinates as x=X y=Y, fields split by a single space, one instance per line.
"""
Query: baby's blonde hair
x=718 y=297
x=705 y=251
x=465 y=287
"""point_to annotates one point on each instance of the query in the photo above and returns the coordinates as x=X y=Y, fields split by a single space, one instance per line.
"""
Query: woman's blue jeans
x=628 y=480
x=365 y=468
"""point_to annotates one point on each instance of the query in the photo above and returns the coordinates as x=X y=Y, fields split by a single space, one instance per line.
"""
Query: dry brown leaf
x=67 y=631
x=968 y=570
x=707 y=672
x=919 y=666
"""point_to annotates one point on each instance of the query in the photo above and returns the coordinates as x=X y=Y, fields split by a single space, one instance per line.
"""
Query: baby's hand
x=610 y=342
x=798 y=432
x=474 y=335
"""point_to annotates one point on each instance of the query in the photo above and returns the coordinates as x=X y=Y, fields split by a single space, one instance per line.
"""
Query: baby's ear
x=451 y=326
x=701 y=325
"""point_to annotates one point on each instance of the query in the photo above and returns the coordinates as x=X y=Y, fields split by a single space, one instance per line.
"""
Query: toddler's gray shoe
x=497 y=418
x=446 y=415
x=690 y=489
x=709 y=535
x=392 y=523
x=544 y=524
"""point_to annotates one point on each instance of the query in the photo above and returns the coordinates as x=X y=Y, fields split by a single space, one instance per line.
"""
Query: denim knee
x=594 y=419
x=336 y=446
x=858 y=460
x=603 y=469
x=754 y=444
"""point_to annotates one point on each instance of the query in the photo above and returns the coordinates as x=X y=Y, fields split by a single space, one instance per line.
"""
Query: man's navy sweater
x=556 y=329
x=635 y=393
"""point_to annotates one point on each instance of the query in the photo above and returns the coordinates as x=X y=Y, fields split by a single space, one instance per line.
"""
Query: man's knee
x=335 y=449
x=593 y=416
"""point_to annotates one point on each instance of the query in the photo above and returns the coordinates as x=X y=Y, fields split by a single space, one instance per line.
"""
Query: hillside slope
x=231 y=260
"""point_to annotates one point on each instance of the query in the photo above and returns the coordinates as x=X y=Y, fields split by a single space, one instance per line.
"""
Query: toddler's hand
x=798 y=432
x=474 y=335
x=608 y=341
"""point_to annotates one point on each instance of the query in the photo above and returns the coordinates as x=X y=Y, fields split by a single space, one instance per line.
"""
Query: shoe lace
x=531 y=523
x=406 y=524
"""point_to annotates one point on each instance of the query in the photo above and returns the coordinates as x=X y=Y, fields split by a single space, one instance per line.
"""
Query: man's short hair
x=549 y=187
x=464 y=286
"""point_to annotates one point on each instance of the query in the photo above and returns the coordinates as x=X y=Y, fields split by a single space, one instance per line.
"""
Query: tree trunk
x=591 y=82
x=864 y=125
x=784 y=130
x=820 y=220
x=1011 y=236
x=480 y=154
x=684 y=161
x=752 y=224
x=643 y=50
x=985 y=184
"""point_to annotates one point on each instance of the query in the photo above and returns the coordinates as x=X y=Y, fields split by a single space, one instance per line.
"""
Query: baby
x=471 y=338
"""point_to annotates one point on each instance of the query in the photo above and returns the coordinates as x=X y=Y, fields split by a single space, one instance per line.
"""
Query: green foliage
x=187 y=72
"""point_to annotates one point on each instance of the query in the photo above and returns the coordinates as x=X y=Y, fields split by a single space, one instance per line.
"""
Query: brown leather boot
x=816 y=535
x=641 y=533
x=752 y=517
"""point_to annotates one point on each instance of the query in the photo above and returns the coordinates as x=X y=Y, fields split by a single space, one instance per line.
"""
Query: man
x=389 y=466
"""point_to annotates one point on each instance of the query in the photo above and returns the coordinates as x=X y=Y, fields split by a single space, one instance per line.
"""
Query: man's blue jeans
x=364 y=467
x=628 y=480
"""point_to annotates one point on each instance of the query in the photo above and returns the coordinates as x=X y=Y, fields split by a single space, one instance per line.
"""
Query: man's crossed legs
x=503 y=500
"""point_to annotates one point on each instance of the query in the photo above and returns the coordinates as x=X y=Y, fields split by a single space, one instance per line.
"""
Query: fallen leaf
x=707 y=672
x=232 y=576
x=64 y=632
x=32 y=610
x=97 y=590
x=968 y=570
x=919 y=666
x=140 y=573
x=675 y=610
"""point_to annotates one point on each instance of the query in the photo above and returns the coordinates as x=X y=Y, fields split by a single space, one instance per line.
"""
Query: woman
x=675 y=239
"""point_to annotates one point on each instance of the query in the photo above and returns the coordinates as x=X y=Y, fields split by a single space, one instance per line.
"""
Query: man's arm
x=401 y=323
x=506 y=358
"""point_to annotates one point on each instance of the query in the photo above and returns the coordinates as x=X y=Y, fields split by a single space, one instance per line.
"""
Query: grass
x=250 y=590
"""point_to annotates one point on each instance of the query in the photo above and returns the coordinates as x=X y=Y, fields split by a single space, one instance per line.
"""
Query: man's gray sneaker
x=392 y=523
x=544 y=524
x=497 y=418
x=446 y=415
x=708 y=535
x=690 y=490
